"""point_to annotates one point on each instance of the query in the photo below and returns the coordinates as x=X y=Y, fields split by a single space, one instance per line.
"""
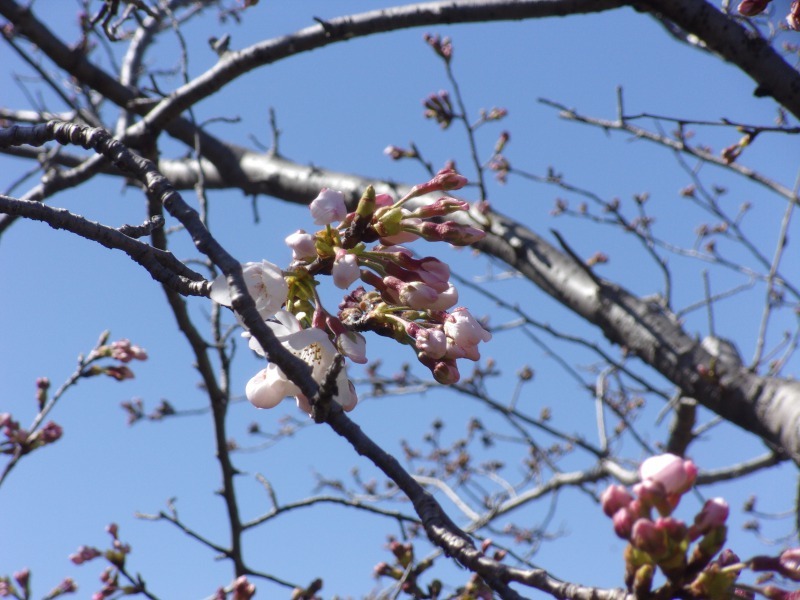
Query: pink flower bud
x=440 y=208
x=345 y=269
x=449 y=231
x=464 y=329
x=23 y=578
x=415 y=295
x=84 y=554
x=674 y=473
x=789 y=562
x=328 y=207
x=614 y=498
x=674 y=529
x=67 y=586
x=302 y=244
x=623 y=521
x=431 y=342
x=446 y=372
x=751 y=8
x=713 y=514
x=396 y=153
x=444 y=181
x=446 y=300
x=51 y=432
x=243 y=589
x=793 y=18
x=120 y=373
x=647 y=537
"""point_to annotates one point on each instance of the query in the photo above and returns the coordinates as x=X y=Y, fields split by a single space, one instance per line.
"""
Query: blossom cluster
x=408 y=300
x=20 y=441
x=408 y=571
x=685 y=554
x=121 y=350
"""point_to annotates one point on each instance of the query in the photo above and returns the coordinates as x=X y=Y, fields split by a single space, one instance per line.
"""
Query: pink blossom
x=265 y=284
x=302 y=244
x=345 y=269
x=674 y=473
x=328 y=207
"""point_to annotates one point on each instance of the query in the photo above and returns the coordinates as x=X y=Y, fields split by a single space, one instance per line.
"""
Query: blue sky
x=338 y=107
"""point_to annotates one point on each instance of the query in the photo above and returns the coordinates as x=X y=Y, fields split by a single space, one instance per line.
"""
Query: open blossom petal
x=268 y=387
x=265 y=283
x=328 y=207
x=312 y=345
x=446 y=300
x=353 y=345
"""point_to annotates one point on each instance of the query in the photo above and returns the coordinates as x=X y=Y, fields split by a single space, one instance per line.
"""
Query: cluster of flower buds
x=438 y=336
x=122 y=350
x=116 y=555
x=409 y=300
x=407 y=571
x=23 y=579
x=439 y=108
x=664 y=541
x=21 y=441
x=442 y=46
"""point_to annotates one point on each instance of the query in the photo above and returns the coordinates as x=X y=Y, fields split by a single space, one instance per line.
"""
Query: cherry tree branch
x=723 y=34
